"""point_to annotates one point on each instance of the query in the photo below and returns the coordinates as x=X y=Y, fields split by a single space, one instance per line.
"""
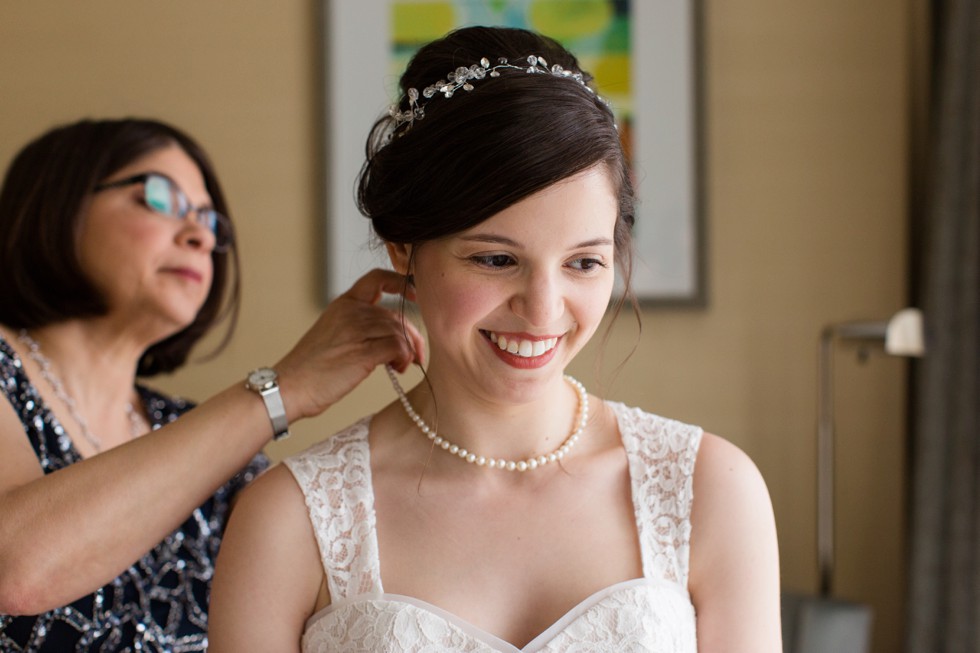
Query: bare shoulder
x=724 y=474
x=269 y=517
x=268 y=572
x=734 y=562
x=276 y=488
x=731 y=499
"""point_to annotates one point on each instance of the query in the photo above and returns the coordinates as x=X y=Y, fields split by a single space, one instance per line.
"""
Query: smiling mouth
x=521 y=346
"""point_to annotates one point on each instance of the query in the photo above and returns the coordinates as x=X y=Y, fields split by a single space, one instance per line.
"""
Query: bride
x=497 y=506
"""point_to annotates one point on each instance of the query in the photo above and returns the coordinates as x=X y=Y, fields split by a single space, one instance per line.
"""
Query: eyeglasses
x=163 y=196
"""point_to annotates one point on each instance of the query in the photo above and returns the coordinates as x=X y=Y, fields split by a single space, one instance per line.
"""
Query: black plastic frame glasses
x=164 y=197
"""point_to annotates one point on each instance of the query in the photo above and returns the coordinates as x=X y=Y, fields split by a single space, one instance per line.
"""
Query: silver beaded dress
x=159 y=604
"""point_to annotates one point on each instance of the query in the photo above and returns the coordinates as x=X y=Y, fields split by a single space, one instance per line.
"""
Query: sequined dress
x=160 y=603
x=652 y=614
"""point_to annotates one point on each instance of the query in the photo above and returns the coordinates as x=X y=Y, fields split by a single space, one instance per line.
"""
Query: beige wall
x=806 y=120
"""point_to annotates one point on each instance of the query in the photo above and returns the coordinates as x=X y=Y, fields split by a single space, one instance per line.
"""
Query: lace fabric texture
x=160 y=603
x=651 y=614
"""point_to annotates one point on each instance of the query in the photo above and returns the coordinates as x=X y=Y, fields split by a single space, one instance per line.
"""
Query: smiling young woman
x=498 y=506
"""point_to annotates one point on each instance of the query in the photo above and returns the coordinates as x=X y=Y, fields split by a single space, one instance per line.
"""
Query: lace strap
x=335 y=477
x=661 y=455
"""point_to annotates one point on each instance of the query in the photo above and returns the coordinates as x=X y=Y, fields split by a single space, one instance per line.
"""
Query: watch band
x=277 y=411
x=264 y=381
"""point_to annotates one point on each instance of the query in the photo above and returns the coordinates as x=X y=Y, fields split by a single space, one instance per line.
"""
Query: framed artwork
x=644 y=59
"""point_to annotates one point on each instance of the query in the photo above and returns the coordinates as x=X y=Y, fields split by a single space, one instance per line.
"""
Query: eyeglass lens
x=163 y=196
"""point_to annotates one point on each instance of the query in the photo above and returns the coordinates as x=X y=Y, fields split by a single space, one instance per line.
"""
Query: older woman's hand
x=352 y=336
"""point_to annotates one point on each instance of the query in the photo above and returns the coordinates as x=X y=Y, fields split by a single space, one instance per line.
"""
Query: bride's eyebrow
x=491 y=238
x=595 y=242
x=503 y=240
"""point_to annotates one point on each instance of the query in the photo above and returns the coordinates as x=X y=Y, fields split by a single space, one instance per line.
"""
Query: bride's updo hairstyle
x=438 y=165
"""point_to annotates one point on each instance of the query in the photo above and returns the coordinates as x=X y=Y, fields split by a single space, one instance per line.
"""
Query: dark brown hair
x=44 y=196
x=479 y=152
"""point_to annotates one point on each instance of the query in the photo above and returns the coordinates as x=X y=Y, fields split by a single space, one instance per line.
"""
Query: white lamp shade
x=904 y=335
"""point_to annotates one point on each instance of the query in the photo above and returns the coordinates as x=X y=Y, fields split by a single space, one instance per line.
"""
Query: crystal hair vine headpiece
x=462 y=78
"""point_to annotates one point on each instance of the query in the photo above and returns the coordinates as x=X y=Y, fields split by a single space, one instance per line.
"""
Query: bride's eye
x=493 y=260
x=586 y=264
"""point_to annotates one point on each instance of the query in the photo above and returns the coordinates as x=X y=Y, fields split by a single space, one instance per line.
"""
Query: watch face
x=262 y=377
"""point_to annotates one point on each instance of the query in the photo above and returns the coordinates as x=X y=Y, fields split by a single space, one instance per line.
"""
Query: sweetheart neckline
x=537 y=643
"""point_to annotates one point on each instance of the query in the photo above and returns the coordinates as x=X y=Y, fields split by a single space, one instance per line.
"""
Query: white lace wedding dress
x=653 y=613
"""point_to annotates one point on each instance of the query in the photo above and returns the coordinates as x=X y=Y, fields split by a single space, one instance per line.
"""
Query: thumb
x=371 y=285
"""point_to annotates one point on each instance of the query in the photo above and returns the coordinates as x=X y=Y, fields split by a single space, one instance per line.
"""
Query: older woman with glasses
x=116 y=257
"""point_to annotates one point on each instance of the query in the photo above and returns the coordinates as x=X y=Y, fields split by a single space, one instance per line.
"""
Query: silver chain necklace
x=499 y=463
x=136 y=425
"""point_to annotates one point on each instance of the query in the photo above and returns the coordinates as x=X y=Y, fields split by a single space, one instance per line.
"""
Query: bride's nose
x=539 y=299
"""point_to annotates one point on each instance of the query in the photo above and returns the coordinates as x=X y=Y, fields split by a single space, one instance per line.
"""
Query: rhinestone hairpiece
x=462 y=78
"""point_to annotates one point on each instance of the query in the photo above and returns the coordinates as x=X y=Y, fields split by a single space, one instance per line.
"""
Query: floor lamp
x=823 y=624
x=902 y=336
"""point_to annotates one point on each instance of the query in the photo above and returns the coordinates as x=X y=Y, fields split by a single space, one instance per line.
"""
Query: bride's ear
x=400 y=254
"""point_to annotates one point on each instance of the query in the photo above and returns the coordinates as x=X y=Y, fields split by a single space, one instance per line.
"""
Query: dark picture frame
x=360 y=83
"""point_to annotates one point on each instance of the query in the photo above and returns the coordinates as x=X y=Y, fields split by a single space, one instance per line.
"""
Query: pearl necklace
x=136 y=425
x=499 y=463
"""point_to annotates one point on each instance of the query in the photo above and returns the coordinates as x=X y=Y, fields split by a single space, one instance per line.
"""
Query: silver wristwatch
x=265 y=381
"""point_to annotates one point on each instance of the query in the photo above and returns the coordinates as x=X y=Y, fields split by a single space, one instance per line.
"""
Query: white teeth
x=523 y=348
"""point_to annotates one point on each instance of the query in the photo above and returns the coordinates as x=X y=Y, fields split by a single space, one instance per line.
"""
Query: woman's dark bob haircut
x=482 y=151
x=42 y=203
